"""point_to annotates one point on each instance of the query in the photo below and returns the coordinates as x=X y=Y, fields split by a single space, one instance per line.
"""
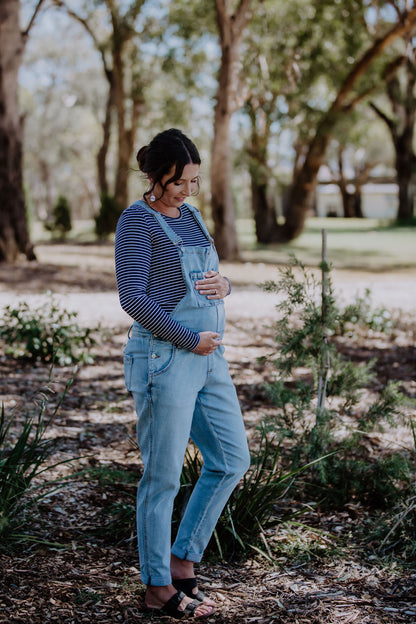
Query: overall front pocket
x=201 y=300
x=161 y=356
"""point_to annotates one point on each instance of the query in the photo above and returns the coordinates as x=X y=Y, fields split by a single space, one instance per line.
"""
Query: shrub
x=310 y=369
x=106 y=219
x=61 y=218
x=46 y=333
x=252 y=508
x=22 y=460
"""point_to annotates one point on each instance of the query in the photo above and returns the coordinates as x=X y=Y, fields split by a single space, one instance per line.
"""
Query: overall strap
x=197 y=216
x=173 y=237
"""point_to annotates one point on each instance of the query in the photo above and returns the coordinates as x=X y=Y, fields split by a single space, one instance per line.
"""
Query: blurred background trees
x=278 y=97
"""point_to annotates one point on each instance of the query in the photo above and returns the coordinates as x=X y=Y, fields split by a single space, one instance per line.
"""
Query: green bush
x=108 y=216
x=252 y=509
x=46 y=333
x=23 y=452
x=311 y=370
x=61 y=218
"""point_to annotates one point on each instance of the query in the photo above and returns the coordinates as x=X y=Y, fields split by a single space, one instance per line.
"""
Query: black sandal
x=171 y=608
x=186 y=586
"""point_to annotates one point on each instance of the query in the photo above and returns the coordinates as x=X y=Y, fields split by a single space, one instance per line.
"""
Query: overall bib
x=180 y=395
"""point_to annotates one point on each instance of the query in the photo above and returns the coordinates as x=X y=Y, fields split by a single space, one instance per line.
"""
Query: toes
x=202 y=610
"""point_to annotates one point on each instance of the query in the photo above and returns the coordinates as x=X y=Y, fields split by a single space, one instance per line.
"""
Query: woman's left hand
x=214 y=286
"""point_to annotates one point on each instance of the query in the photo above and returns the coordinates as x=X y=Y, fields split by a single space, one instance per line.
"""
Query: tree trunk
x=358 y=206
x=264 y=213
x=103 y=151
x=348 y=204
x=222 y=204
x=230 y=29
x=303 y=190
x=14 y=235
x=404 y=152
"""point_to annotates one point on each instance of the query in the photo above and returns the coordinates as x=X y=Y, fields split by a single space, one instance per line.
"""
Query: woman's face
x=176 y=192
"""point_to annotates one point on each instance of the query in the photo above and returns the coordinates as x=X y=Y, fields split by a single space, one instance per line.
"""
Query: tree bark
x=230 y=29
x=401 y=128
x=302 y=192
x=103 y=151
x=14 y=234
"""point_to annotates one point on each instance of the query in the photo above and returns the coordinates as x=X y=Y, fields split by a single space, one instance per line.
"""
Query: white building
x=379 y=201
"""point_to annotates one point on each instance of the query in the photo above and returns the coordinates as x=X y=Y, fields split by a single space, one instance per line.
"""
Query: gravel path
x=394 y=291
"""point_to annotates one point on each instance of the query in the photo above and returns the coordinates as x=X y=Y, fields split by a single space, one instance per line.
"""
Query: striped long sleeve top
x=148 y=271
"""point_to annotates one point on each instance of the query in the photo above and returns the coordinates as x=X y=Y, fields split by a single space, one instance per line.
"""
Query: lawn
x=351 y=243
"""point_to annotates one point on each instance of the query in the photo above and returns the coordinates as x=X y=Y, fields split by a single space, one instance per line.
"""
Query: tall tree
x=231 y=24
x=14 y=234
x=302 y=192
x=400 y=80
x=289 y=75
x=120 y=57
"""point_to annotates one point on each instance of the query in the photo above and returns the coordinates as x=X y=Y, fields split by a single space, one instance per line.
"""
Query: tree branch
x=222 y=18
x=25 y=33
x=240 y=17
x=382 y=115
x=377 y=48
x=61 y=4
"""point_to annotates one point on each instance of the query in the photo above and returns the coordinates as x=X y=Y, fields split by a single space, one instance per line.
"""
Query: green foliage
x=252 y=508
x=46 y=333
x=312 y=372
x=61 y=218
x=393 y=532
x=22 y=460
x=119 y=524
x=360 y=312
x=108 y=216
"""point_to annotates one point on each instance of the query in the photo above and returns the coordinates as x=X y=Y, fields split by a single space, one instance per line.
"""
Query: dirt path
x=82 y=279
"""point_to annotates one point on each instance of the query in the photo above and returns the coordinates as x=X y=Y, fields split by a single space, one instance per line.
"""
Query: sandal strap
x=171 y=607
x=187 y=586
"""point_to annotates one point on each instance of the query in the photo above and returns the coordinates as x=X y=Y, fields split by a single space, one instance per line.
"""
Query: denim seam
x=197 y=528
x=149 y=470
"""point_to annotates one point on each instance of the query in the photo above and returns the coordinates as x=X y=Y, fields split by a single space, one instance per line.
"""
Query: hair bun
x=141 y=157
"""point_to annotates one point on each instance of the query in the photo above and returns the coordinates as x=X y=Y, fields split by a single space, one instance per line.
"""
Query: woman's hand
x=208 y=342
x=214 y=286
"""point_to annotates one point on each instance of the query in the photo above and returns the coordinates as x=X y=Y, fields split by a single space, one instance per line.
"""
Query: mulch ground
x=82 y=565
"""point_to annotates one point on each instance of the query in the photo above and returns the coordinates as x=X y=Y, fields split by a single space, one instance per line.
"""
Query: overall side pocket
x=135 y=372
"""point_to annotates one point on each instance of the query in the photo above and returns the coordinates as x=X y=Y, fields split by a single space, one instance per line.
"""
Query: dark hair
x=168 y=149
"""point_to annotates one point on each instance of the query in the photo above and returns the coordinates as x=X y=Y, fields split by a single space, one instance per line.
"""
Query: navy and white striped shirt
x=148 y=270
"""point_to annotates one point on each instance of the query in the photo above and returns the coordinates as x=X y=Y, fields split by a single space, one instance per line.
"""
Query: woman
x=168 y=282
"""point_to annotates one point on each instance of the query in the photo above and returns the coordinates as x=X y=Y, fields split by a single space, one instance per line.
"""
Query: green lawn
x=351 y=243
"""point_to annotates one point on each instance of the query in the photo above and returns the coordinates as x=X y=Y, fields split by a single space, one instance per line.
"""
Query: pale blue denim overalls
x=180 y=395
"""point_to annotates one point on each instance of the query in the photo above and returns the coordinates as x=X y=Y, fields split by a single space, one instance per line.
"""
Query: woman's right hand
x=209 y=341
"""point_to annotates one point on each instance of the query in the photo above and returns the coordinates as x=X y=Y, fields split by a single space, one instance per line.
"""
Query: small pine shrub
x=108 y=216
x=61 y=222
x=47 y=333
x=311 y=371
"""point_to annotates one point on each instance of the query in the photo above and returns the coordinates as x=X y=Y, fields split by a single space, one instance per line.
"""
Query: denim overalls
x=180 y=395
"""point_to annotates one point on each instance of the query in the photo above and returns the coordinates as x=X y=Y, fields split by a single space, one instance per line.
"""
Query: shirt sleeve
x=133 y=252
